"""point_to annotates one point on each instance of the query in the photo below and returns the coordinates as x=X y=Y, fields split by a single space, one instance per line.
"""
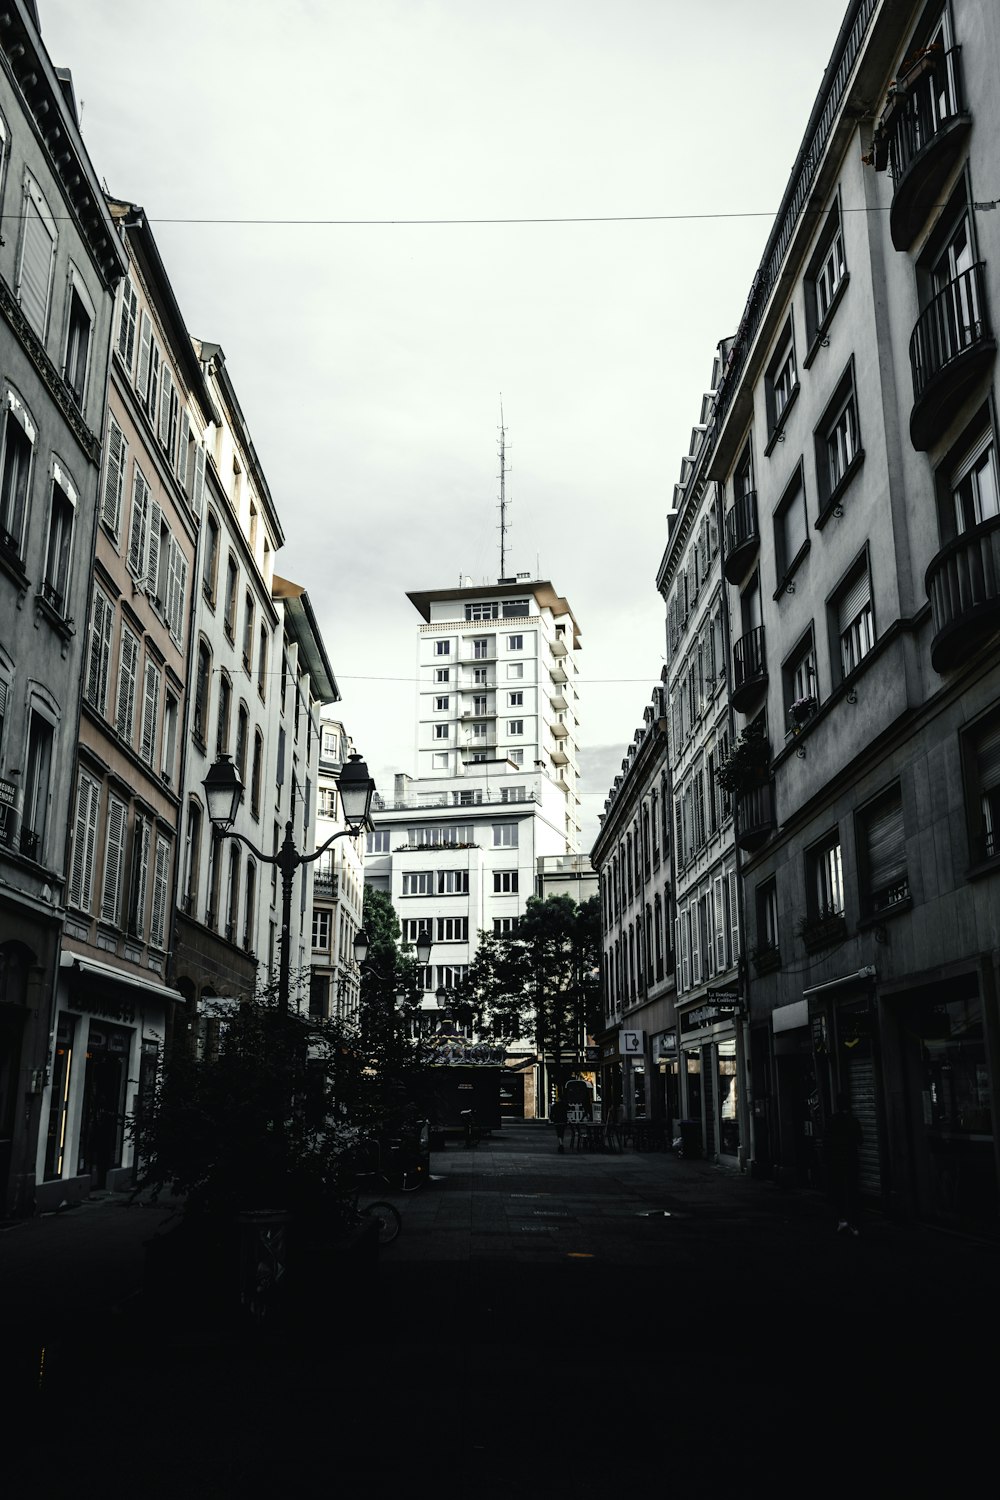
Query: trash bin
x=690 y=1138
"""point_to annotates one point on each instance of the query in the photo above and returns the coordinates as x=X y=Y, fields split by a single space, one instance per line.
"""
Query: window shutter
x=988 y=759
x=114 y=852
x=114 y=478
x=177 y=618
x=695 y=943
x=150 y=695
x=145 y=347
x=720 y=924
x=140 y=870
x=886 y=846
x=166 y=390
x=710 y=950
x=36 y=265
x=126 y=325
x=125 y=709
x=156 y=925
x=857 y=596
x=102 y=621
x=183 y=454
x=199 y=477
x=734 y=918
x=139 y=523
x=88 y=802
x=152 y=568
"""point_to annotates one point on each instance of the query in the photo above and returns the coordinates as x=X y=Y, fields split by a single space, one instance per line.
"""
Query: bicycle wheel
x=389 y=1222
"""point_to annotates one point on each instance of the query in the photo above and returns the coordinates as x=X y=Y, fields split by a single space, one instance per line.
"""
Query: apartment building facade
x=338 y=887
x=60 y=263
x=115 y=1002
x=854 y=437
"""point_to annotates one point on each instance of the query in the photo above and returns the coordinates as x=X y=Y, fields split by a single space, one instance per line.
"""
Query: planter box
x=766 y=961
x=824 y=934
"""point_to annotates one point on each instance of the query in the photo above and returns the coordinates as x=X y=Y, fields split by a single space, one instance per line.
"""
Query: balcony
x=963 y=584
x=558 y=754
x=742 y=536
x=924 y=133
x=559 y=729
x=749 y=669
x=558 y=646
x=325 y=883
x=951 y=348
x=755 y=817
x=557 y=672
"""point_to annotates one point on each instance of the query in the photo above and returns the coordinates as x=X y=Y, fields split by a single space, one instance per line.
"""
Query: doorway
x=102 y=1128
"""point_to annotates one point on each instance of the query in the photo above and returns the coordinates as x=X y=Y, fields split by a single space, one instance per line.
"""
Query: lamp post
x=362 y=944
x=224 y=793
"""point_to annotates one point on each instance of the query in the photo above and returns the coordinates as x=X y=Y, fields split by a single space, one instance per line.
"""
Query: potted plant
x=746 y=764
x=822 y=930
x=800 y=712
x=766 y=958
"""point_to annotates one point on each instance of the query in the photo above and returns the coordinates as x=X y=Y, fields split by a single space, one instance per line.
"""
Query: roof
x=547 y=598
x=305 y=631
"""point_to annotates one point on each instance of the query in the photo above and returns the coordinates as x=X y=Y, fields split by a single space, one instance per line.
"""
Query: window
x=515 y=643
x=413 y=927
x=480 y=704
x=441 y=705
x=780 y=381
x=126 y=324
x=767 y=916
x=222 y=722
x=102 y=617
x=480 y=676
x=60 y=541
x=248 y=619
x=478 y=730
x=191 y=857
x=452 y=882
x=516 y=700
x=791 y=531
x=377 y=842
x=114 y=477
x=882 y=853
x=442 y=648
x=504 y=926
x=257 y=773
x=437 y=837
x=837 y=440
x=139 y=876
x=515 y=726
x=481 y=648
x=513 y=794
x=451 y=976
x=418 y=883
x=150 y=711
x=505 y=882
x=38 y=248
x=210 y=566
x=19 y=438
x=467 y=798
x=515 y=671
x=488 y=611
x=439 y=760
x=161 y=880
x=452 y=930
x=242 y=739
x=81 y=864
x=78 y=328
x=855 y=624
x=232 y=586
x=262 y=661
x=128 y=673
x=973 y=484
x=824 y=278
x=442 y=674
x=825 y=893
x=505 y=835
x=800 y=681
x=170 y=715
x=321 y=929
x=517 y=756
x=249 y=905
x=233 y=895
x=441 y=731
x=981 y=754
x=203 y=681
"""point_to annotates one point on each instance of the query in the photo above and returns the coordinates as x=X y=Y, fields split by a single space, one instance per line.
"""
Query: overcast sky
x=370 y=359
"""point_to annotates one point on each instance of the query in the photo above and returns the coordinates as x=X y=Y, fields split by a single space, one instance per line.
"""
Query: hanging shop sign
x=630 y=1043
x=726 y=1002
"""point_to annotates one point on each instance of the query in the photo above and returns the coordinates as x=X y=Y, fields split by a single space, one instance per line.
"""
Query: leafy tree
x=544 y=976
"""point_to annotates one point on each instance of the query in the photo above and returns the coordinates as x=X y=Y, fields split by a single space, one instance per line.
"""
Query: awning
x=859 y=977
x=110 y=975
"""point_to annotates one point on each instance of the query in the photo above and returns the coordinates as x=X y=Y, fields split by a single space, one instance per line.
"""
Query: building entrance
x=103 y=1121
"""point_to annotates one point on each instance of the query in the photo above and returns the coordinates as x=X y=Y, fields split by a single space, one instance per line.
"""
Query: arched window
x=233 y=893
x=242 y=736
x=225 y=712
x=192 y=856
x=202 y=685
x=249 y=913
x=257 y=772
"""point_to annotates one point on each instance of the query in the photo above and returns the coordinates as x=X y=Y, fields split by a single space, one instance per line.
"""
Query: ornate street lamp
x=223 y=794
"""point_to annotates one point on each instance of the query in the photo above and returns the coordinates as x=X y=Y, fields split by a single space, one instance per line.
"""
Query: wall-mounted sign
x=630 y=1043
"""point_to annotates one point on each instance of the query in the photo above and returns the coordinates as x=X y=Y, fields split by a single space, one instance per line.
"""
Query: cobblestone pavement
x=543 y=1318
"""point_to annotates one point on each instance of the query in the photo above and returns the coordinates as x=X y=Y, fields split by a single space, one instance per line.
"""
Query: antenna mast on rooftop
x=504 y=470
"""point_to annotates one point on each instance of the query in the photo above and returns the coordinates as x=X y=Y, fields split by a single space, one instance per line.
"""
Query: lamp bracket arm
x=267 y=859
x=342 y=833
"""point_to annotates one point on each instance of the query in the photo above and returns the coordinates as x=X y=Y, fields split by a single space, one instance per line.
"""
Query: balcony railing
x=950 y=349
x=963 y=584
x=749 y=668
x=742 y=536
x=924 y=135
x=755 y=817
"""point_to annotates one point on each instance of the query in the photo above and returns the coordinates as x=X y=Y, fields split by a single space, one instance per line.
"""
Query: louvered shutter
x=695 y=943
x=156 y=924
x=139 y=524
x=150 y=697
x=145 y=350
x=126 y=324
x=114 y=853
x=988 y=760
x=140 y=871
x=720 y=923
x=711 y=963
x=854 y=601
x=127 y=671
x=199 y=477
x=114 y=477
x=177 y=619
x=152 y=568
x=886 y=846
x=101 y=623
x=166 y=391
x=183 y=453
x=734 y=918
x=37 y=249
x=81 y=876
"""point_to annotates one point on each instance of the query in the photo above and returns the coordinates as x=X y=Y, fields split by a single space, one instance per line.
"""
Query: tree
x=545 y=975
x=390 y=997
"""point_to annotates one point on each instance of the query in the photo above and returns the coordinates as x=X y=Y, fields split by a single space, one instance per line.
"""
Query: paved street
x=541 y=1316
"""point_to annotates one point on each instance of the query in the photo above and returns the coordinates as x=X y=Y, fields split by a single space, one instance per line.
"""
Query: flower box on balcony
x=823 y=931
x=765 y=960
x=746 y=765
x=800 y=712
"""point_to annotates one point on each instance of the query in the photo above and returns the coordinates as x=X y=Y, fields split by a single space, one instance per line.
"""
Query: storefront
x=846 y=1057
x=666 y=1078
x=711 y=1070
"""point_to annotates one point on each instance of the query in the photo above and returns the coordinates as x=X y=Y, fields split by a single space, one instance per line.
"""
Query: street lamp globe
x=223 y=793
x=360 y=945
x=424 y=945
x=356 y=790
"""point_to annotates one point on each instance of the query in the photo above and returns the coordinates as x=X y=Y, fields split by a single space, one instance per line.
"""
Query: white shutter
x=181 y=461
x=685 y=951
x=710 y=949
x=140 y=871
x=166 y=390
x=37 y=249
x=150 y=703
x=177 y=618
x=81 y=875
x=145 y=348
x=156 y=924
x=720 y=924
x=127 y=672
x=114 y=477
x=101 y=623
x=152 y=568
x=114 y=853
x=126 y=324
x=734 y=918
x=696 y=975
x=854 y=600
x=139 y=524
x=199 y=477
x=170 y=603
